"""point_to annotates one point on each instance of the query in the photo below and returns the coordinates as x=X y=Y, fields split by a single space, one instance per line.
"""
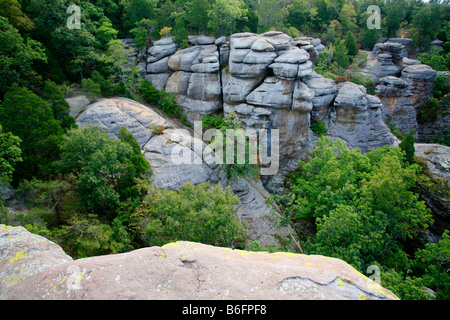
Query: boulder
x=168 y=171
x=160 y=66
x=237 y=89
x=194 y=271
x=204 y=86
x=77 y=104
x=159 y=80
x=201 y=40
x=293 y=56
x=261 y=45
x=356 y=119
x=23 y=254
x=420 y=78
x=161 y=49
x=324 y=93
x=274 y=92
x=178 y=83
x=182 y=60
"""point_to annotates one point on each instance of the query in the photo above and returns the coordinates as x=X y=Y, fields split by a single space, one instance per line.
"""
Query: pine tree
x=149 y=92
x=340 y=56
x=407 y=145
x=350 y=44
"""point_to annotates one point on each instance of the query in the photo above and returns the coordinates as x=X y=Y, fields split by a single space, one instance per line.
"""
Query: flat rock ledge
x=181 y=270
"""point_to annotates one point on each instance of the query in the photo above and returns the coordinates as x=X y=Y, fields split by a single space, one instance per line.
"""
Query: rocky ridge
x=181 y=270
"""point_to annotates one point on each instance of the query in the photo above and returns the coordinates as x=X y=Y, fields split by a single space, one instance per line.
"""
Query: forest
x=93 y=195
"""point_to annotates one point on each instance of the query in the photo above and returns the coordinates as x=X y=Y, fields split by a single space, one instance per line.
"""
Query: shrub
x=168 y=103
x=429 y=111
x=149 y=92
x=91 y=89
x=318 y=127
x=198 y=213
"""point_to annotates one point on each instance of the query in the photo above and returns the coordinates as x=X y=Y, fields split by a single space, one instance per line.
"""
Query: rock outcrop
x=169 y=171
x=23 y=254
x=177 y=156
x=268 y=81
x=404 y=84
x=436 y=189
x=181 y=270
x=356 y=119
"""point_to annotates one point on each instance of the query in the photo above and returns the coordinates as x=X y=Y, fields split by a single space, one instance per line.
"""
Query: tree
x=434 y=261
x=118 y=58
x=350 y=44
x=136 y=10
x=340 y=56
x=17 y=56
x=10 y=154
x=198 y=17
x=224 y=13
x=298 y=14
x=180 y=32
x=60 y=108
x=407 y=145
x=271 y=15
x=395 y=14
x=363 y=205
x=149 y=92
x=12 y=10
x=30 y=118
x=105 y=169
x=347 y=17
x=200 y=213
x=105 y=33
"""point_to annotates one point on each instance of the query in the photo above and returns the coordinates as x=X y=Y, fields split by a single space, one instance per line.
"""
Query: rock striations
x=181 y=270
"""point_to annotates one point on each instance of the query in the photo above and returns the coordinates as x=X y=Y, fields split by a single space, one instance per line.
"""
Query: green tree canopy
x=199 y=213
x=30 y=118
x=17 y=56
x=10 y=154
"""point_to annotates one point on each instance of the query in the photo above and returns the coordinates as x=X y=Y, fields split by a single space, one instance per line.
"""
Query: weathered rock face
x=268 y=81
x=436 y=193
x=187 y=271
x=404 y=84
x=178 y=156
x=356 y=119
x=168 y=171
x=23 y=254
x=192 y=74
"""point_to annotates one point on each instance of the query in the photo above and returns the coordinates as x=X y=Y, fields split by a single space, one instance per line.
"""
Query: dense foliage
x=366 y=212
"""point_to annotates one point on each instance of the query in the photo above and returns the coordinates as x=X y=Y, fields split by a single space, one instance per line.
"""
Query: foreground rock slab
x=186 y=270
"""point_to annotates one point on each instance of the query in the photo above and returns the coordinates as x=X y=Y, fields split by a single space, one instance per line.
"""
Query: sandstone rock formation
x=356 y=119
x=436 y=192
x=169 y=171
x=268 y=81
x=177 y=156
x=181 y=270
x=23 y=254
x=404 y=84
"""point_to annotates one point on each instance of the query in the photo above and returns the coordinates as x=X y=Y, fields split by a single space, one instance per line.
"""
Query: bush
x=149 y=92
x=407 y=145
x=441 y=86
x=350 y=44
x=200 y=213
x=91 y=89
x=429 y=111
x=318 y=127
x=168 y=103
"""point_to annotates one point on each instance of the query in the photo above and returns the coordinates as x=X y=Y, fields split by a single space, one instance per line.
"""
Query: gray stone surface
x=191 y=271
